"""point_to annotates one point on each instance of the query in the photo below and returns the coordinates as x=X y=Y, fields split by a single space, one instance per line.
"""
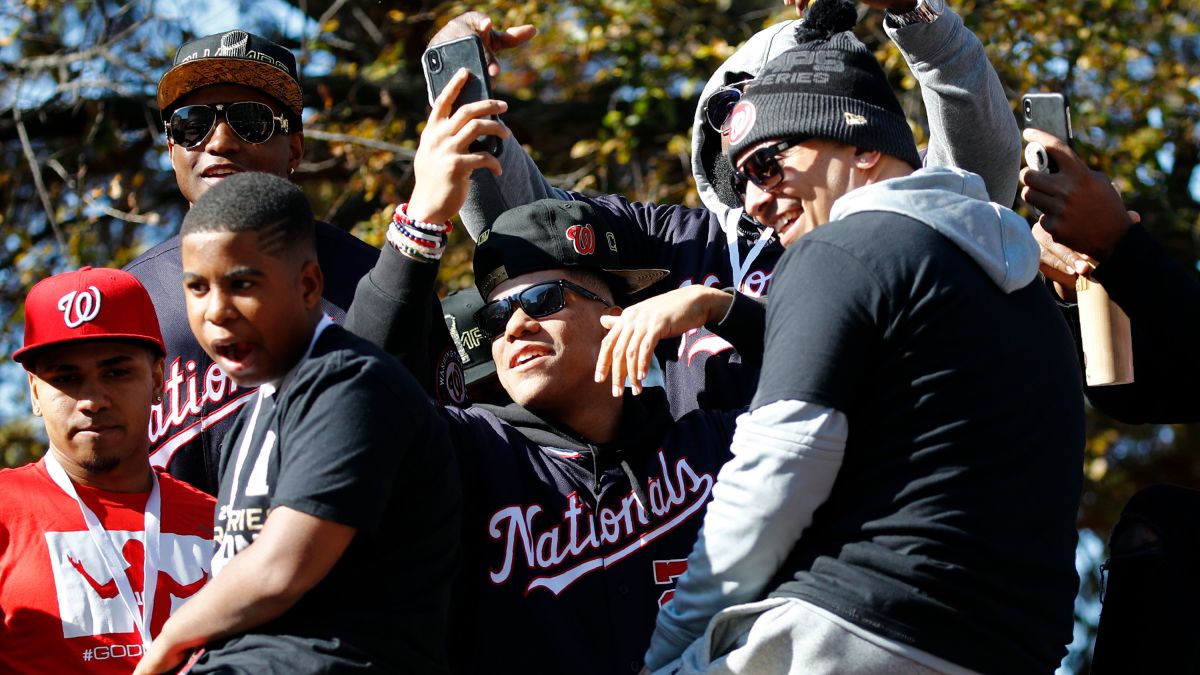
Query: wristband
x=416 y=239
x=401 y=217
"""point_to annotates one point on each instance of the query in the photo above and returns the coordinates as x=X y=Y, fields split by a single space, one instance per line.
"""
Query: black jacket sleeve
x=394 y=308
x=744 y=326
x=1162 y=300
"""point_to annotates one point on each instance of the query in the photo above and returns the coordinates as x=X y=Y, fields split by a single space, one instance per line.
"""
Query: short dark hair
x=257 y=202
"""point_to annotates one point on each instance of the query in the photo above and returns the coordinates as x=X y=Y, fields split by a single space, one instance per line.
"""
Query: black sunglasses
x=762 y=166
x=722 y=101
x=252 y=121
x=538 y=301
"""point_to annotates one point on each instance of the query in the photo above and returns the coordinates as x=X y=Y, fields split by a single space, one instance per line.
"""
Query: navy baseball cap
x=474 y=349
x=233 y=57
x=554 y=234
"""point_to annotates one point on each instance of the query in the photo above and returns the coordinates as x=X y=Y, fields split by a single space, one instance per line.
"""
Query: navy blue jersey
x=199 y=400
x=702 y=370
x=564 y=567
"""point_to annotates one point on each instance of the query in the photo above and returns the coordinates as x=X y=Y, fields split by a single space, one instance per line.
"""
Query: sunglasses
x=252 y=121
x=722 y=101
x=762 y=166
x=538 y=301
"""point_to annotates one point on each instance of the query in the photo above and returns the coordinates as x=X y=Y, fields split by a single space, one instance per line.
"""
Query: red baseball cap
x=89 y=304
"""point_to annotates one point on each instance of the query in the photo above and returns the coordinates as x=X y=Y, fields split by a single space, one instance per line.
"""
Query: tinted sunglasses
x=762 y=166
x=538 y=301
x=252 y=121
x=722 y=101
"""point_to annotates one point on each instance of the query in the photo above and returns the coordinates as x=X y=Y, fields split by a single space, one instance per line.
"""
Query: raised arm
x=971 y=125
x=391 y=304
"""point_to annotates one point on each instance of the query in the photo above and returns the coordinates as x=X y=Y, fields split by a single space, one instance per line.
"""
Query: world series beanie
x=830 y=87
x=233 y=57
x=554 y=234
x=88 y=304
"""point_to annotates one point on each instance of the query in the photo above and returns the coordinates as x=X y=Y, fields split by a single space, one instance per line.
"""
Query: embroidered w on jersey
x=88 y=601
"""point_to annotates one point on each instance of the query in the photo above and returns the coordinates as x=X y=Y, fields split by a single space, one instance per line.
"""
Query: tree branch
x=327 y=136
x=36 y=170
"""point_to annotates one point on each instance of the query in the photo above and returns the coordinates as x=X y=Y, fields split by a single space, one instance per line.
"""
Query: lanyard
x=740 y=270
x=113 y=560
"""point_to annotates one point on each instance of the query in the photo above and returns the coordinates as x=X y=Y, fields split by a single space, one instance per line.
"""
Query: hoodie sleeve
x=393 y=308
x=520 y=183
x=970 y=123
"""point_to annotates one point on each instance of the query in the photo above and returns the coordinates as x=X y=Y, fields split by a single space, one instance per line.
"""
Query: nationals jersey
x=61 y=609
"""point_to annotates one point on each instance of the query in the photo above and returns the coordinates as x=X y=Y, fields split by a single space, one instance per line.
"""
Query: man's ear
x=295 y=151
x=33 y=394
x=312 y=283
x=865 y=160
x=157 y=364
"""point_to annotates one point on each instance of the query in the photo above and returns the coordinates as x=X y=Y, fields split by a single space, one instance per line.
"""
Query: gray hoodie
x=955 y=204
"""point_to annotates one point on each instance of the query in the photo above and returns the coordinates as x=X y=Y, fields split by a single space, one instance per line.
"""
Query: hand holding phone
x=1050 y=113
x=442 y=61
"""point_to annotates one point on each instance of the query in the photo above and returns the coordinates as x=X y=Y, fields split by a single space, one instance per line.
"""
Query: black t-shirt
x=349 y=437
x=951 y=525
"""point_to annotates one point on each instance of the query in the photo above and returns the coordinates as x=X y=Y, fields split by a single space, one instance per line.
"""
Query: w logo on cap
x=583 y=237
x=79 y=308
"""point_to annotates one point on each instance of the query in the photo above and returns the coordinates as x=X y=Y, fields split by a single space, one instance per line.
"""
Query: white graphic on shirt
x=562 y=548
x=88 y=602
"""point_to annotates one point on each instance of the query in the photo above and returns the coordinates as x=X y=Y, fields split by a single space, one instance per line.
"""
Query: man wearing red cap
x=91 y=531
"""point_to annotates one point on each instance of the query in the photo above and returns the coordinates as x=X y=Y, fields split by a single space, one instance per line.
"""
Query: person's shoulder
x=341 y=356
x=335 y=240
x=180 y=492
x=23 y=476
x=154 y=255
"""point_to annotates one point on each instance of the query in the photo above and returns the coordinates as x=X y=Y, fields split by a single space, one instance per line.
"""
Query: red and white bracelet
x=418 y=239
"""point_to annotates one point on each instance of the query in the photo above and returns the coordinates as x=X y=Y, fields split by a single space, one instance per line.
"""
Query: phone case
x=1050 y=113
x=442 y=61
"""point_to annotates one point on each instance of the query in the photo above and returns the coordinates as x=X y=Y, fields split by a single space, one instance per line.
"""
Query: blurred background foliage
x=603 y=98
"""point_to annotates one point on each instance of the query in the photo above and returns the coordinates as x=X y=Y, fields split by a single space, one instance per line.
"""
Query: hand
x=893 y=6
x=443 y=164
x=478 y=23
x=161 y=657
x=1081 y=210
x=635 y=332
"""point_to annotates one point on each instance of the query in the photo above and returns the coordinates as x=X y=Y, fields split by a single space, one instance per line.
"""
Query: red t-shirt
x=60 y=611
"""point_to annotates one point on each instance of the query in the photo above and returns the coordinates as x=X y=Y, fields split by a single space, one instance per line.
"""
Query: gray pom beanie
x=832 y=89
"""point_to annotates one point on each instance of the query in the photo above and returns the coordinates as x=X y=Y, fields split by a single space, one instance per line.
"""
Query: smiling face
x=815 y=174
x=224 y=152
x=94 y=397
x=251 y=311
x=547 y=364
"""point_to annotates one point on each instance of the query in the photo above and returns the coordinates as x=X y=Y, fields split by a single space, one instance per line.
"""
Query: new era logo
x=854 y=120
x=79 y=308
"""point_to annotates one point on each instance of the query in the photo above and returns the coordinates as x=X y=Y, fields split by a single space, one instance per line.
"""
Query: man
x=1086 y=230
x=232 y=103
x=971 y=126
x=579 y=508
x=903 y=492
x=91 y=532
x=338 y=513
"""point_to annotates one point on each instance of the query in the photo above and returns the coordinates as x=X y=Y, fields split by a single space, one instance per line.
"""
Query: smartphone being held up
x=1052 y=114
x=442 y=61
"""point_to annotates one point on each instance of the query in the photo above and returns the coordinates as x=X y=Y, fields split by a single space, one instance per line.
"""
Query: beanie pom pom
x=825 y=18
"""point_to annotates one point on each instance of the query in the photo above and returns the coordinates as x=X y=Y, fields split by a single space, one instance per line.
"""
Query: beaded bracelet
x=417 y=239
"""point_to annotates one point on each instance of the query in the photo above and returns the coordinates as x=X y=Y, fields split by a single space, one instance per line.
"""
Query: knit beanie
x=830 y=86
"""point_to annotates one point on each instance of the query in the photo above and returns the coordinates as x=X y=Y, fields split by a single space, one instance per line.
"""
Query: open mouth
x=220 y=171
x=526 y=356
x=233 y=352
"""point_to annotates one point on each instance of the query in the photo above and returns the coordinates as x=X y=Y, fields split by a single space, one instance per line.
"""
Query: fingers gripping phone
x=442 y=61
x=1052 y=114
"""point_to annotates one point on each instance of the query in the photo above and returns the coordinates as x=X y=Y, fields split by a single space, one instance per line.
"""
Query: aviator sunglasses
x=252 y=121
x=538 y=301
x=762 y=166
x=722 y=101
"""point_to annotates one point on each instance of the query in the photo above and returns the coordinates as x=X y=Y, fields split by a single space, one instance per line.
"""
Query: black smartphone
x=1050 y=113
x=442 y=61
